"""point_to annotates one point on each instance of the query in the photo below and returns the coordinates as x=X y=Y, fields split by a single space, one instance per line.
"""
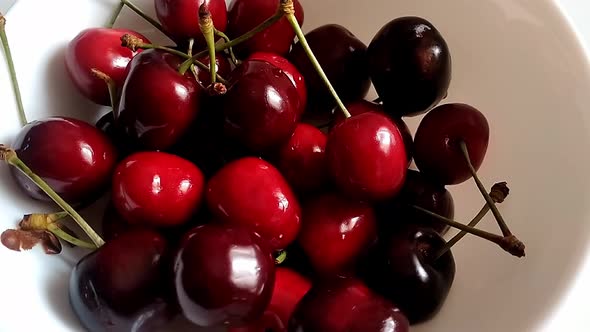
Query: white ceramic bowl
x=517 y=61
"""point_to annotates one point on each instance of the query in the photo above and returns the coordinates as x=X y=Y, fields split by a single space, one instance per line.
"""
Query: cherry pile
x=266 y=194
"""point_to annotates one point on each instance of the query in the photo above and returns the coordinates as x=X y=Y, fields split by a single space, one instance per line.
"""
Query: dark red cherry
x=245 y=15
x=366 y=156
x=119 y=287
x=344 y=60
x=345 y=305
x=289 y=69
x=98 y=48
x=302 y=160
x=113 y=225
x=223 y=275
x=410 y=66
x=261 y=106
x=336 y=232
x=251 y=192
x=222 y=63
x=158 y=104
x=124 y=144
x=180 y=18
x=75 y=158
x=437 y=152
x=402 y=269
x=157 y=189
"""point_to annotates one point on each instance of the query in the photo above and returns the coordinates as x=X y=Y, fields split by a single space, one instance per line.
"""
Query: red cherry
x=157 y=189
x=245 y=15
x=180 y=18
x=302 y=160
x=75 y=158
x=335 y=233
x=223 y=68
x=366 y=156
x=253 y=193
x=158 y=104
x=98 y=48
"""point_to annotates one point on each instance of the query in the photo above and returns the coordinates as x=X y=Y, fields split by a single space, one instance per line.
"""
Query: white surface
x=516 y=60
x=5 y=5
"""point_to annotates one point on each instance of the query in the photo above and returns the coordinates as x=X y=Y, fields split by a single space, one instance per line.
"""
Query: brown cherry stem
x=289 y=12
x=230 y=50
x=503 y=227
x=10 y=157
x=207 y=29
x=509 y=243
x=115 y=15
x=146 y=17
x=498 y=193
x=13 y=80
x=112 y=86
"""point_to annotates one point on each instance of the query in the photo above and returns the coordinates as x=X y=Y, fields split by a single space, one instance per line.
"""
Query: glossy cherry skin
x=367 y=157
x=157 y=103
x=344 y=60
x=401 y=269
x=289 y=69
x=302 y=160
x=261 y=106
x=245 y=15
x=180 y=18
x=223 y=65
x=118 y=287
x=223 y=275
x=157 y=189
x=336 y=232
x=252 y=193
x=437 y=152
x=98 y=48
x=75 y=159
x=410 y=66
x=345 y=305
x=124 y=144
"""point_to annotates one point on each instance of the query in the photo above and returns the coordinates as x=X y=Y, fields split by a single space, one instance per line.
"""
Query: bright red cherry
x=75 y=158
x=367 y=157
x=157 y=189
x=245 y=15
x=98 y=48
x=251 y=192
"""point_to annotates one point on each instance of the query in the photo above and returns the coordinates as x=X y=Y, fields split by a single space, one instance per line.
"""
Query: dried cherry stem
x=289 y=12
x=503 y=227
x=207 y=29
x=49 y=222
x=498 y=193
x=230 y=50
x=146 y=17
x=509 y=243
x=10 y=157
x=13 y=80
x=281 y=257
x=115 y=15
x=112 y=86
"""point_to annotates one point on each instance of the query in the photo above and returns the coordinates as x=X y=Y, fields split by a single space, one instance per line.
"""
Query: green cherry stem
x=207 y=29
x=10 y=157
x=503 y=227
x=115 y=14
x=50 y=222
x=226 y=39
x=13 y=79
x=60 y=233
x=289 y=12
x=112 y=86
x=281 y=257
x=146 y=17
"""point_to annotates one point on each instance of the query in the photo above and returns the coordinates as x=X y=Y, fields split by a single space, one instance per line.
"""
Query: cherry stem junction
x=50 y=223
x=13 y=79
x=115 y=15
x=503 y=227
x=10 y=157
x=208 y=31
x=146 y=17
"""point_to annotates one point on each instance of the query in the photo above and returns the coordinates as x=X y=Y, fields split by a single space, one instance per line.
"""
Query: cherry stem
x=503 y=227
x=10 y=157
x=68 y=238
x=112 y=86
x=191 y=44
x=498 y=193
x=289 y=12
x=226 y=39
x=146 y=17
x=115 y=15
x=509 y=243
x=281 y=257
x=207 y=29
x=13 y=79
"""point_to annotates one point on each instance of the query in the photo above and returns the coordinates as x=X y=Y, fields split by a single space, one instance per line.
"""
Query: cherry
x=402 y=269
x=223 y=275
x=261 y=106
x=157 y=103
x=302 y=160
x=345 y=305
x=344 y=60
x=157 y=189
x=113 y=225
x=251 y=192
x=410 y=66
x=244 y=15
x=125 y=145
x=98 y=48
x=119 y=286
x=180 y=18
x=223 y=65
x=73 y=157
x=437 y=143
x=366 y=156
x=335 y=233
